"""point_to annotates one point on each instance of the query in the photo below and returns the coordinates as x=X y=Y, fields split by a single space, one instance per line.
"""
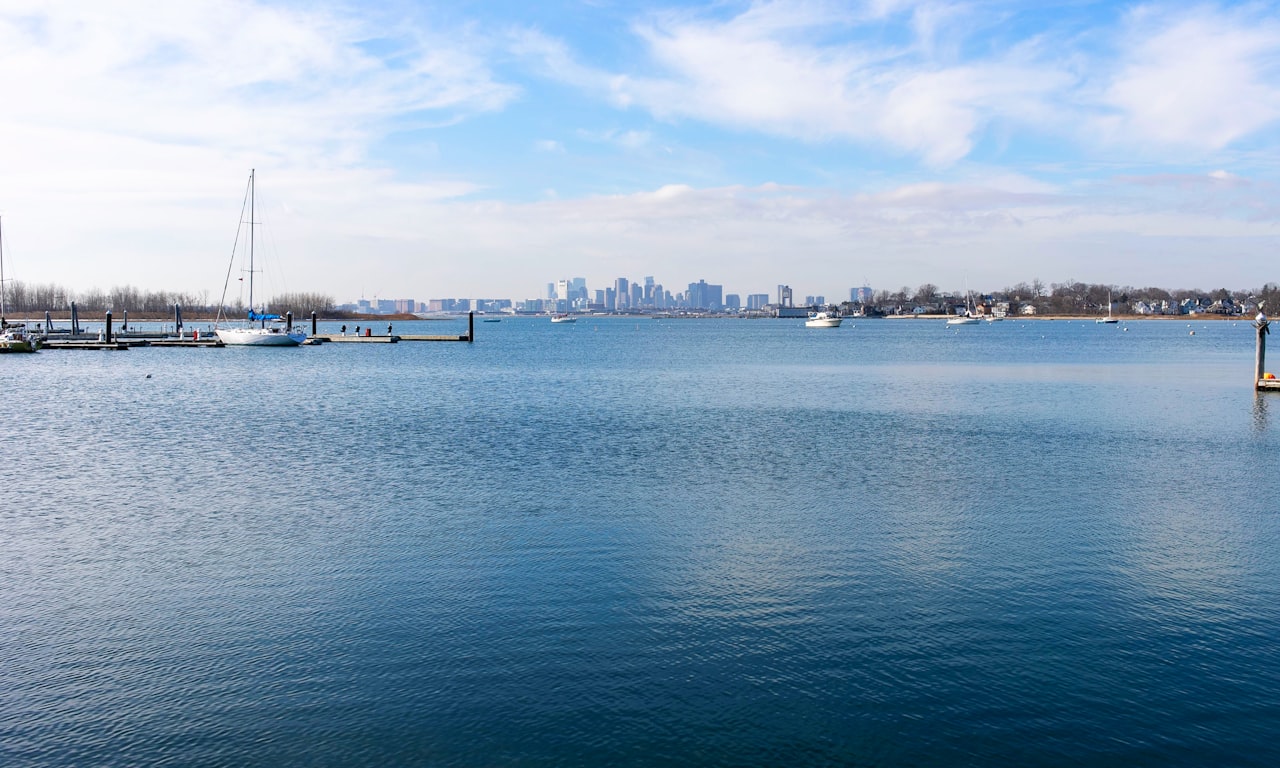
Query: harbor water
x=647 y=542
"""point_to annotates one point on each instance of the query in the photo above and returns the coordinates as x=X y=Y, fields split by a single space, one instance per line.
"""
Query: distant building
x=757 y=301
x=784 y=296
x=702 y=295
x=733 y=301
x=861 y=295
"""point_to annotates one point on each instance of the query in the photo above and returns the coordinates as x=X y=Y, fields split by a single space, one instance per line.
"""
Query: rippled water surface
x=639 y=542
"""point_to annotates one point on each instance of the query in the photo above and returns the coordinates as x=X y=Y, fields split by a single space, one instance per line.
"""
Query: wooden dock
x=341 y=339
x=102 y=345
x=420 y=337
x=213 y=342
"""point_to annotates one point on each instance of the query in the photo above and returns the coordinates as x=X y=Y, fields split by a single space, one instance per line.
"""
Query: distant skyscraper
x=551 y=291
x=732 y=301
x=702 y=295
x=648 y=292
x=757 y=300
x=784 y=296
x=622 y=292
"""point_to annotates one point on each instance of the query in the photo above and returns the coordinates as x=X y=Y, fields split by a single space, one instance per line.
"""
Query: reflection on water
x=676 y=542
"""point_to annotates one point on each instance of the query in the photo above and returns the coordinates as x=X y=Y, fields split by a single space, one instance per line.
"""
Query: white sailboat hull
x=260 y=337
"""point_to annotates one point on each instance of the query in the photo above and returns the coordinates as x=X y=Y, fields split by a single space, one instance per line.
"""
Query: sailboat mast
x=251 y=217
x=1 y=272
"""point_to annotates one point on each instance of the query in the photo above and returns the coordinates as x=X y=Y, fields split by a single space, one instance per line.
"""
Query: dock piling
x=313 y=323
x=471 y=327
x=107 y=332
x=1262 y=324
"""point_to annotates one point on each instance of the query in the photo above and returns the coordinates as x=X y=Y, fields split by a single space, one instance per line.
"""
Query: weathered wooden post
x=1261 y=323
x=177 y=319
x=75 y=320
x=107 y=333
x=471 y=327
x=48 y=322
x=124 y=326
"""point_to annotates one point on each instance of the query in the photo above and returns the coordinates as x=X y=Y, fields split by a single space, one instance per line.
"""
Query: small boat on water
x=256 y=332
x=823 y=320
x=563 y=319
x=1108 y=320
x=969 y=317
x=13 y=336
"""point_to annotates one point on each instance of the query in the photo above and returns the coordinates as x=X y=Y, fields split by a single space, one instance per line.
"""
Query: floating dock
x=109 y=340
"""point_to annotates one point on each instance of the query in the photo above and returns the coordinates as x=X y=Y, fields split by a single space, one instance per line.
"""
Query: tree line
x=1073 y=297
x=31 y=298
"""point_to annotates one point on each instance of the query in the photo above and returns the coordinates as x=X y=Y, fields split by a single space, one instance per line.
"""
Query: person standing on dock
x=357 y=330
x=344 y=329
x=388 y=329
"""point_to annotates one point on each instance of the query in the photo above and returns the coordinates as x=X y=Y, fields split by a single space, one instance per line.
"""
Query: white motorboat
x=823 y=320
x=256 y=332
x=13 y=336
x=563 y=319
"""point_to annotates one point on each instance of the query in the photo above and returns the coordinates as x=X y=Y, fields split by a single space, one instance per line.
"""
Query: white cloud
x=1203 y=79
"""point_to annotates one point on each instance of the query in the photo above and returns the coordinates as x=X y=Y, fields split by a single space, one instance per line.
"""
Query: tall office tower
x=637 y=295
x=860 y=295
x=562 y=290
x=784 y=296
x=622 y=293
x=610 y=300
x=757 y=300
x=578 y=288
x=551 y=291
x=649 y=300
x=661 y=299
x=732 y=301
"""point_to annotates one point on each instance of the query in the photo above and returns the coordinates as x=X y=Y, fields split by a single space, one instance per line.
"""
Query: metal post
x=471 y=327
x=107 y=336
x=177 y=319
x=288 y=322
x=125 y=325
x=75 y=320
x=313 y=323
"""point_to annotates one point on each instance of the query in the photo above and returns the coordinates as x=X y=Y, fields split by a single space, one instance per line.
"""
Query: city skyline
x=435 y=149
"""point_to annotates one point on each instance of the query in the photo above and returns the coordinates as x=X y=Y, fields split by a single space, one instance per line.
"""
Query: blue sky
x=483 y=149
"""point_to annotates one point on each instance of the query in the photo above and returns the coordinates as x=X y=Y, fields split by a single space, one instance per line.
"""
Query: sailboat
x=1108 y=319
x=13 y=337
x=969 y=317
x=261 y=334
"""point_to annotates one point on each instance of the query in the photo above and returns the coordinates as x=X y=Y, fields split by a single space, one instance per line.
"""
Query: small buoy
x=1268 y=375
x=148 y=375
x=1193 y=333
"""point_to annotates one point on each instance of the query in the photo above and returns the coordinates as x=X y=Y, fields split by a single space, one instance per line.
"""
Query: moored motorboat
x=563 y=319
x=823 y=320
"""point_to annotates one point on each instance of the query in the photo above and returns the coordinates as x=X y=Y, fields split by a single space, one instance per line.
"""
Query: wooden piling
x=1262 y=324
x=471 y=327
x=313 y=323
x=107 y=336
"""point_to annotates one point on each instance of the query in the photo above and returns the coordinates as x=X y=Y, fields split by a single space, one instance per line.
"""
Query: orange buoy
x=1268 y=375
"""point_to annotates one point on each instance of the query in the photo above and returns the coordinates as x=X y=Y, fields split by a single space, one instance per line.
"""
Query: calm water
x=638 y=542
